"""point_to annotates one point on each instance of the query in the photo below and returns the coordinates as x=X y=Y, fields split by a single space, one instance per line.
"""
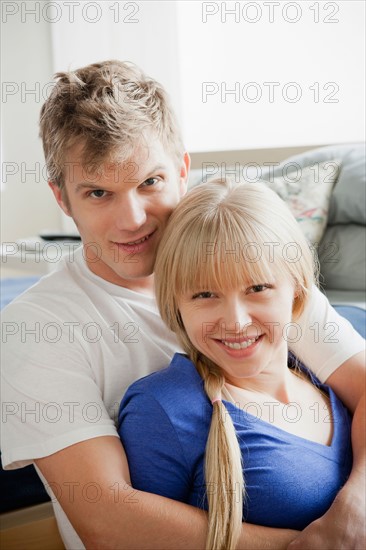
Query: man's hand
x=341 y=528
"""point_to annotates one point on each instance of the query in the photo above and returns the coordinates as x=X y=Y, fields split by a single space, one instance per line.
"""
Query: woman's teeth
x=241 y=345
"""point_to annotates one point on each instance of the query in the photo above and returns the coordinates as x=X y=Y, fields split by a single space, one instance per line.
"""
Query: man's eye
x=205 y=294
x=97 y=193
x=149 y=182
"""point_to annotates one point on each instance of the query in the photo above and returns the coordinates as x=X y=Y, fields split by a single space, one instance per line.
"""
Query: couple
x=113 y=118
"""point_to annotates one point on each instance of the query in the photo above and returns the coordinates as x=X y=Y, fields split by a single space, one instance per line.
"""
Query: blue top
x=164 y=422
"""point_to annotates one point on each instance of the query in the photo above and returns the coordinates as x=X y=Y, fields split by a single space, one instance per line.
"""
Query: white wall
x=258 y=44
x=27 y=204
x=142 y=32
x=173 y=43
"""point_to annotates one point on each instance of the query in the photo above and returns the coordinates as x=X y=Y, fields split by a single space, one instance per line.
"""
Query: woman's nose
x=235 y=317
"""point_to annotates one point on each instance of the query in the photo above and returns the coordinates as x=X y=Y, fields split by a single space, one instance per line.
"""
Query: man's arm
x=344 y=524
x=125 y=518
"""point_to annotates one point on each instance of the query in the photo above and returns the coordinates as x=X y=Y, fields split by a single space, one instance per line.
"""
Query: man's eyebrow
x=157 y=168
x=87 y=185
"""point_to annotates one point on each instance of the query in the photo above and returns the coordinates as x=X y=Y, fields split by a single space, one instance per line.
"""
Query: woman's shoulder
x=179 y=382
x=175 y=393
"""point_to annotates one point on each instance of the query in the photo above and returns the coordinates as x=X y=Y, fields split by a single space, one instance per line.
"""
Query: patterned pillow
x=307 y=193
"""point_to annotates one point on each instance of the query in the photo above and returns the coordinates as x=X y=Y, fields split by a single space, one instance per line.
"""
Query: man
x=117 y=165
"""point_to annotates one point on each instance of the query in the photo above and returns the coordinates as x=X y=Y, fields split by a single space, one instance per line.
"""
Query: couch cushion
x=347 y=204
x=305 y=189
x=342 y=257
x=349 y=198
x=307 y=193
x=347 y=297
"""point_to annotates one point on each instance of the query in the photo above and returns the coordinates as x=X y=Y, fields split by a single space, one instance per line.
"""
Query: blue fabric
x=12 y=287
x=290 y=481
x=356 y=316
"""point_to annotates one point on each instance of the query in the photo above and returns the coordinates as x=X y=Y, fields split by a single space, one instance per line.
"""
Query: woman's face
x=244 y=331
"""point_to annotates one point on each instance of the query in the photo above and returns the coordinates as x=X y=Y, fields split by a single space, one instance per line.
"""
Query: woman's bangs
x=222 y=255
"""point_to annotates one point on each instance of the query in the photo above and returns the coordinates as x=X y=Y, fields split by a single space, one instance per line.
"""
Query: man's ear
x=184 y=173
x=60 y=197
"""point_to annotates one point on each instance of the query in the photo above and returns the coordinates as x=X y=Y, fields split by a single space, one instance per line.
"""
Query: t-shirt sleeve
x=155 y=455
x=50 y=397
x=321 y=338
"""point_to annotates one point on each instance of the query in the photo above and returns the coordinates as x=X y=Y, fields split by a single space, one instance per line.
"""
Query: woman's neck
x=276 y=381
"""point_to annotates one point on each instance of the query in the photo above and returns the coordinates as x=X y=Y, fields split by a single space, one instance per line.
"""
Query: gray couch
x=342 y=250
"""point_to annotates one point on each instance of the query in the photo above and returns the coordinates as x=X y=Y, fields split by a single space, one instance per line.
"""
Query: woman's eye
x=259 y=288
x=205 y=294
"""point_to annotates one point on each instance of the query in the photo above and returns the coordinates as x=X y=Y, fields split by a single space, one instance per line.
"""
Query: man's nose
x=131 y=214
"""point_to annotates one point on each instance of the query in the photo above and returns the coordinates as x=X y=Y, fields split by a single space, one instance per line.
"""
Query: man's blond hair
x=107 y=108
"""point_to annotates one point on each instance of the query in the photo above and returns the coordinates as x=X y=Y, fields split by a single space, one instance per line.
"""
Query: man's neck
x=142 y=285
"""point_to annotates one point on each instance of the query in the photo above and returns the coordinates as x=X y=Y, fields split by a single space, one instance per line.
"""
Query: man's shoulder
x=48 y=295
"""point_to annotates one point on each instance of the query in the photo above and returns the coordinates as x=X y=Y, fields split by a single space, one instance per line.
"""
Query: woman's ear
x=298 y=302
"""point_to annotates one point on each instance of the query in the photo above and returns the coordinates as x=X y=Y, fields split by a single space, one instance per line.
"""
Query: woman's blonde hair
x=223 y=235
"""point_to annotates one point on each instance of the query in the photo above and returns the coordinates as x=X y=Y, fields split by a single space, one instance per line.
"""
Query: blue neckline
x=320 y=448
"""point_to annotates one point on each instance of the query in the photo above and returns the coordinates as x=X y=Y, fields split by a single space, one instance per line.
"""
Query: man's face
x=121 y=215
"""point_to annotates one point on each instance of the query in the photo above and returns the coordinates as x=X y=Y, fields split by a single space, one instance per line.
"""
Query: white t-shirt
x=74 y=342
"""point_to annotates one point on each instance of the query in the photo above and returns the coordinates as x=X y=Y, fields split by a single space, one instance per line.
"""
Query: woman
x=236 y=425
